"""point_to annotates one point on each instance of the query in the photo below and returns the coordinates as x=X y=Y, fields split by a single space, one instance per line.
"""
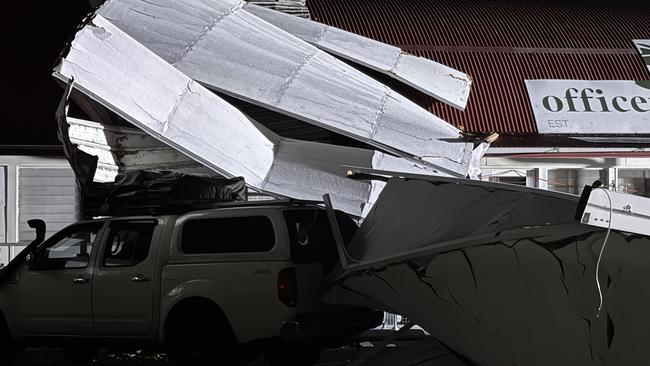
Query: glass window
x=563 y=180
x=634 y=181
x=70 y=248
x=128 y=243
x=228 y=235
x=311 y=237
x=517 y=177
x=520 y=181
x=574 y=180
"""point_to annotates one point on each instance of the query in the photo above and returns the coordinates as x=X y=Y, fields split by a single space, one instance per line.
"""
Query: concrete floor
x=48 y=357
x=331 y=357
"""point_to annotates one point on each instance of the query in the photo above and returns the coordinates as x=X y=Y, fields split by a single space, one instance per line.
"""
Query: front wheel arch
x=197 y=333
x=193 y=306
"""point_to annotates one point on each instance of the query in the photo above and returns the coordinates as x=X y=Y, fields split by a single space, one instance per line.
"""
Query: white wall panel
x=49 y=194
x=3 y=207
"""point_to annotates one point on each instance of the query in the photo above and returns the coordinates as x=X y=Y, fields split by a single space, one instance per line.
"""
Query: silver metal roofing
x=437 y=80
x=293 y=7
x=230 y=50
x=115 y=70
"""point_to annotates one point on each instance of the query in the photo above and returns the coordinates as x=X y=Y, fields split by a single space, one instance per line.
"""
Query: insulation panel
x=232 y=51
x=437 y=80
x=125 y=77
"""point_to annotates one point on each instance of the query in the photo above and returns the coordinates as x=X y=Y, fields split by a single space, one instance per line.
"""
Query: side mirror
x=40 y=227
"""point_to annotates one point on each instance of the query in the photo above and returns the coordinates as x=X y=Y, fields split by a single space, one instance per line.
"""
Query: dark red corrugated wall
x=501 y=44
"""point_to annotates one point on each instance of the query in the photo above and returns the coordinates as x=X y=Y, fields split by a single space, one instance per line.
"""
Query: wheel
x=196 y=340
x=294 y=353
x=79 y=355
x=7 y=350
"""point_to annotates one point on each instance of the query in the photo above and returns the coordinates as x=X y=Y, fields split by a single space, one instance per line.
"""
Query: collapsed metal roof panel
x=233 y=51
x=293 y=7
x=126 y=77
x=474 y=262
x=408 y=206
x=437 y=80
x=115 y=70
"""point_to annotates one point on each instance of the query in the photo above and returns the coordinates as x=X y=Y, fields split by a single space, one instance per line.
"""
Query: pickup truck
x=210 y=286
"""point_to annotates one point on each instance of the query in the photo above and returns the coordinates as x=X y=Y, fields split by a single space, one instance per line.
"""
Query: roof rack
x=177 y=207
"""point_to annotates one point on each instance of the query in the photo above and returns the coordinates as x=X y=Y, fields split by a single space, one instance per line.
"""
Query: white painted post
x=12 y=204
x=542 y=178
x=531 y=177
x=612 y=178
x=3 y=196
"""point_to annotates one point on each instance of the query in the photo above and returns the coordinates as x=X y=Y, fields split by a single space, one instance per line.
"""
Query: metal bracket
x=344 y=257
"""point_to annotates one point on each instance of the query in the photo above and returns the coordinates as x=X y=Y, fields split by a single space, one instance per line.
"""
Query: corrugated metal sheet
x=293 y=7
x=501 y=44
x=48 y=194
x=107 y=65
x=500 y=101
x=431 y=78
x=231 y=51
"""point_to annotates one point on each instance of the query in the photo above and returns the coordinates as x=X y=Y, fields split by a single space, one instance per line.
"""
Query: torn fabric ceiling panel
x=502 y=277
x=439 y=81
x=113 y=69
x=233 y=51
x=121 y=149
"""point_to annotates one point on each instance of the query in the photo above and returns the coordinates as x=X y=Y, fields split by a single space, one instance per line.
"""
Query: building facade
x=502 y=46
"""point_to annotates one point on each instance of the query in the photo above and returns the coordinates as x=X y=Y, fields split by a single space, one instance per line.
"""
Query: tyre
x=7 y=351
x=296 y=353
x=196 y=339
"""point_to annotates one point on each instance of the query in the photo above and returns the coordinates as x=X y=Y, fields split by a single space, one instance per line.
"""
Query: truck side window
x=128 y=243
x=70 y=248
x=228 y=235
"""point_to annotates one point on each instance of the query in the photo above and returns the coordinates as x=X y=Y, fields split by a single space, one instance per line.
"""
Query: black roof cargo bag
x=149 y=192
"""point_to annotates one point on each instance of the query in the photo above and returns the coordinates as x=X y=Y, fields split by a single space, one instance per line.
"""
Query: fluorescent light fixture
x=615 y=210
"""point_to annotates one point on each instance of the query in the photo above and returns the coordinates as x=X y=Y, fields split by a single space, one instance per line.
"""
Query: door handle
x=140 y=278
x=81 y=280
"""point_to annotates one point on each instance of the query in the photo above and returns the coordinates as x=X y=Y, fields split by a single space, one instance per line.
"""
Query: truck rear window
x=311 y=236
x=228 y=235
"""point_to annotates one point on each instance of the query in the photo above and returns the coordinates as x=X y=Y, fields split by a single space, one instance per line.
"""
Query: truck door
x=55 y=289
x=124 y=279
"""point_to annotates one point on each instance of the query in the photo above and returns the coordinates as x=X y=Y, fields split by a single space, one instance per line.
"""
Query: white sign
x=590 y=107
x=644 y=47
